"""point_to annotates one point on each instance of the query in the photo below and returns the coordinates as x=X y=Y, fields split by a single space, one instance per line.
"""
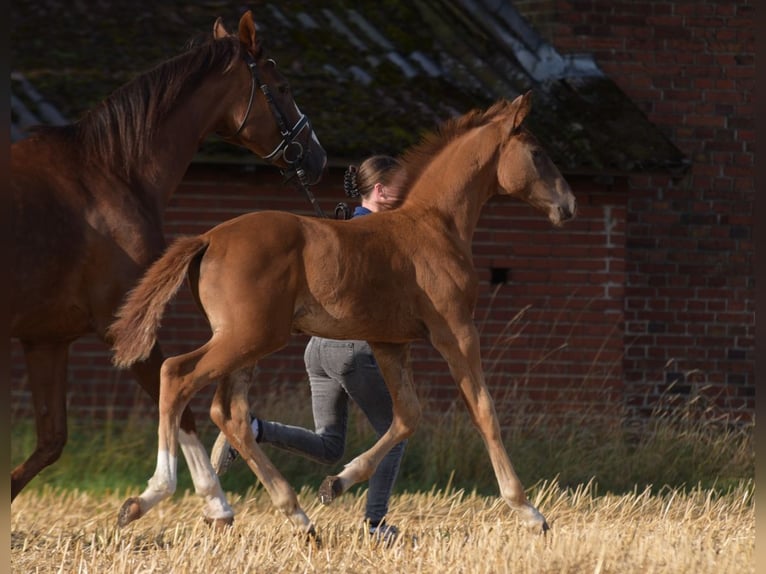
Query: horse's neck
x=174 y=143
x=169 y=159
x=458 y=182
x=173 y=147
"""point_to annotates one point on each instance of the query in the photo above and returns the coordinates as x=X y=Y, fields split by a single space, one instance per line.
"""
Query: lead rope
x=342 y=210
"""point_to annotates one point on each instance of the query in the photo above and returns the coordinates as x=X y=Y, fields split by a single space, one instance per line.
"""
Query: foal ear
x=218 y=29
x=248 y=36
x=520 y=108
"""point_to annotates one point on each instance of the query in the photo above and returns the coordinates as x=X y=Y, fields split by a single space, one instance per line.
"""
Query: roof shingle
x=371 y=76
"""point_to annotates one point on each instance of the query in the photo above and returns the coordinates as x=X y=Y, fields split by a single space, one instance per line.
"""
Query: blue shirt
x=359 y=210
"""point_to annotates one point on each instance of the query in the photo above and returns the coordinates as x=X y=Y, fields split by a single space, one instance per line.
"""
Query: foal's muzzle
x=567 y=212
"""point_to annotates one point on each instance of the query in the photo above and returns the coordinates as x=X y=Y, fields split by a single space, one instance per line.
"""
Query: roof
x=372 y=76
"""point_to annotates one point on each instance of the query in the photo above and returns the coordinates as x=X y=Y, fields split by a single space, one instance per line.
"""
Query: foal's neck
x=459 y=181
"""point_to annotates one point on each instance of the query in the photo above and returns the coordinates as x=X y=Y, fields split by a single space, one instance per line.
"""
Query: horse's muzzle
x=314 y=161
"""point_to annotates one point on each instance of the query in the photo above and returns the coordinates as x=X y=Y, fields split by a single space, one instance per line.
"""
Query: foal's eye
x=537 y=154
x=284 y=89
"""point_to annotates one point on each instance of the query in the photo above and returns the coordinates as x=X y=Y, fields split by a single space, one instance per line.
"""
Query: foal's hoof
x=219 y=524
x=330 y=489
x=130 y=511
x=313 y=538
x=537 y=524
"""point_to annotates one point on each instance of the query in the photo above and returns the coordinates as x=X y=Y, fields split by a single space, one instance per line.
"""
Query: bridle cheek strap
x=253 y=81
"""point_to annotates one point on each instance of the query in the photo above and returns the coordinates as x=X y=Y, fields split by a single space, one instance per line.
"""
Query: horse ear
x=219 y=31
x=520 y=108
x=247 y=34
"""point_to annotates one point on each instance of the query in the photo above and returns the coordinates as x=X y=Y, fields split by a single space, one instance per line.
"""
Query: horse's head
x=290 y=143
x=525 y=170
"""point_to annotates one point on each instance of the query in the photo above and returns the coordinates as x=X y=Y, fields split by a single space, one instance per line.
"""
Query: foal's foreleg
x=230 y=411
x=394 y=363
x=463 y=355
x=206 y=482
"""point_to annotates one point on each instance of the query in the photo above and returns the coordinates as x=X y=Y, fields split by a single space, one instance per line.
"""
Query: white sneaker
x=385 y=533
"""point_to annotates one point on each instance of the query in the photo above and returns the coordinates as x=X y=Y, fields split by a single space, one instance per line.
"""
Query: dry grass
x=443 y=531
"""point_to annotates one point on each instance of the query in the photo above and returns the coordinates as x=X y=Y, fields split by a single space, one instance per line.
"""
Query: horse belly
x=386 y=326
x=58 y=321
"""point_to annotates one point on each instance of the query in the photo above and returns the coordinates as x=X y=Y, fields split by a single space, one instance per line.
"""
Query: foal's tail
x=135 y=330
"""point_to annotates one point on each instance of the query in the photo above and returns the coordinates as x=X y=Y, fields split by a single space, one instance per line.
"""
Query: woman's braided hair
x=359 y=181
x=349 y=182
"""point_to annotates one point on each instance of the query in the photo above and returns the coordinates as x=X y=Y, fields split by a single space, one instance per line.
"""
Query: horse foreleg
x=394 y=363
x=206 y=482
x=230 y=411
x=47 y=379
x=463 y=356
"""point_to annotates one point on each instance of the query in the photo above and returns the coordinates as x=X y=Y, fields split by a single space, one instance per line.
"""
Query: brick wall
x=550 y=308
x=649 y=292
x=690 y=292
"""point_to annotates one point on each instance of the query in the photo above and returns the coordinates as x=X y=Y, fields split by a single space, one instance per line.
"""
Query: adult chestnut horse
x=263 y=275
x=86 y=211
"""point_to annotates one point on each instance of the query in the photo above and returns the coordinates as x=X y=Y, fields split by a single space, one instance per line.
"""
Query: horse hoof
x=219 y=524
x=130 y=511
x=313 y=538
x=538 y=526
x=330 y=489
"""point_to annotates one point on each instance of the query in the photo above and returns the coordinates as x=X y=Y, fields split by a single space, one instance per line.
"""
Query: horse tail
x=134 y=332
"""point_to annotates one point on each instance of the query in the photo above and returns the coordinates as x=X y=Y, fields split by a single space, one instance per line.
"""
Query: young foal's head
x=525 y=171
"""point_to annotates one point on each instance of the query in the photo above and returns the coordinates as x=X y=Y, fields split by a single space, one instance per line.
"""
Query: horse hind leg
x=47 y=379
x=230 y=411
x=206 y=483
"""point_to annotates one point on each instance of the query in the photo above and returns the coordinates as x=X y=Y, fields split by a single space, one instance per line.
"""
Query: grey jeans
x=338 y=370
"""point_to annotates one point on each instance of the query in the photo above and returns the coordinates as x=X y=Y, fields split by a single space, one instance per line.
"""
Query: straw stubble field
x=449 y=530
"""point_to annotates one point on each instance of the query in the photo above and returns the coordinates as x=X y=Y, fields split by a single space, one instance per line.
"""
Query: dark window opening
x=498 y=275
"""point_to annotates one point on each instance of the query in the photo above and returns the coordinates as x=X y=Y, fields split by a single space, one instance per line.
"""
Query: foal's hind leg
x=394 y=363
x=180 y=379
x=47 y=379
x=206 y=482
x=230 y=410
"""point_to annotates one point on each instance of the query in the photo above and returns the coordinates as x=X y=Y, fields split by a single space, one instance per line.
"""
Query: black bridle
x=289 y=149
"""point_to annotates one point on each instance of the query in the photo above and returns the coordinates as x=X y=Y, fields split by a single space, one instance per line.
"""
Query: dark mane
x=119 y=130
x=416 y=159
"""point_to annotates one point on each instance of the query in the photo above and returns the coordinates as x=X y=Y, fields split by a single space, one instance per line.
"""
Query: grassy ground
x=676 y=496
x=443 y=531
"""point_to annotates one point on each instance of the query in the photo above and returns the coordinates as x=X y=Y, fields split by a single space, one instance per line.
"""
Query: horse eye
x=284 y=89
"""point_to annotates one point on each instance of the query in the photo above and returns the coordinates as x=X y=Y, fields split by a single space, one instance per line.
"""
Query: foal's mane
x=119 y=130
x=415 y=160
